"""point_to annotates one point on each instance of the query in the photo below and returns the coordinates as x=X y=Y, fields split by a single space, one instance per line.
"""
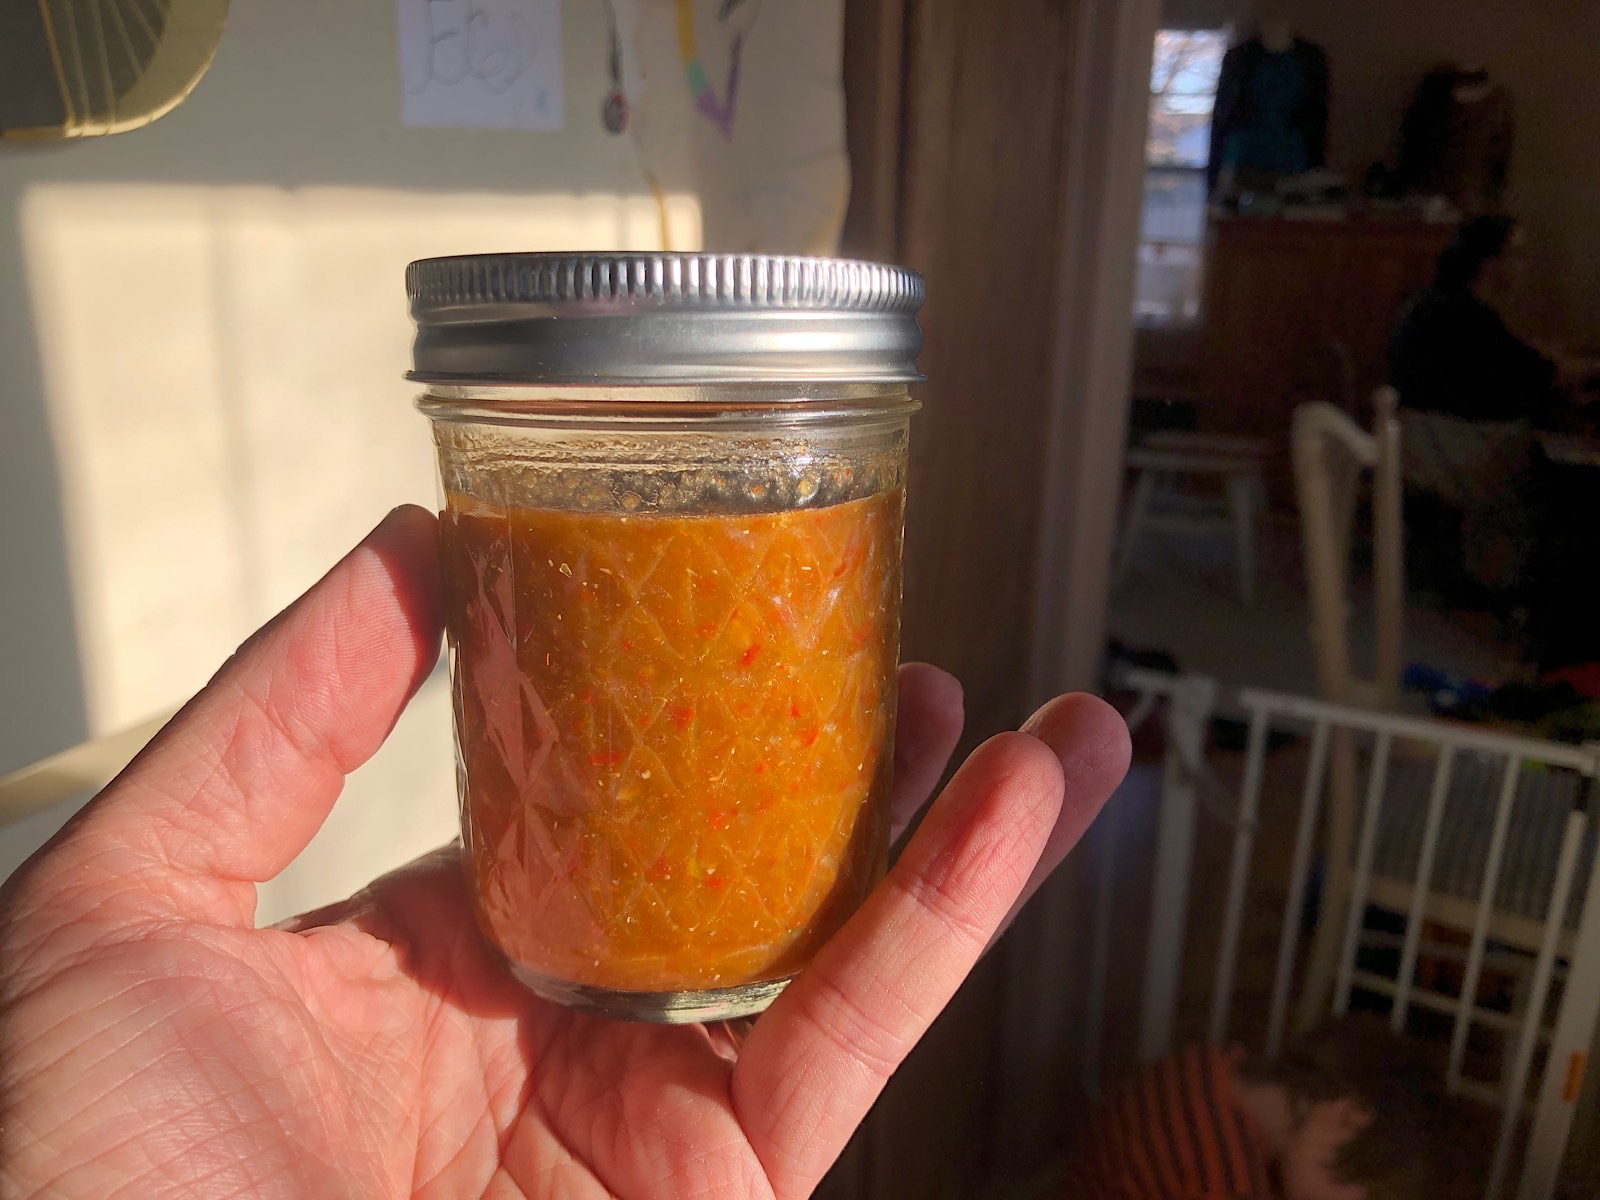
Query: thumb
x=236 y=784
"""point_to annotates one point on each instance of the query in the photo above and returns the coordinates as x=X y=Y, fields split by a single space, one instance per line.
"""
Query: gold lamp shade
x=77 y=68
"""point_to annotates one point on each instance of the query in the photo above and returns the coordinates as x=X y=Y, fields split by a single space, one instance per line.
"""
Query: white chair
x=1196 y=484
x=1333 y=460
x=1482 y=878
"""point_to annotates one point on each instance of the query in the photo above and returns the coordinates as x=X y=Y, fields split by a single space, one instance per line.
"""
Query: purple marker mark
x=721 y=115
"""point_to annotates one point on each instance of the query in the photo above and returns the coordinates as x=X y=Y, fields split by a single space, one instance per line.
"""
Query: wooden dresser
x=1299 y=310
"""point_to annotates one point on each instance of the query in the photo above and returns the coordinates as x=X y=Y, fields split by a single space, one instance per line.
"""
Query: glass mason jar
x=673 y=489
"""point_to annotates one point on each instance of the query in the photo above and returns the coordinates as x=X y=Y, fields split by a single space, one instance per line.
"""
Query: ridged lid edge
x=721 y=282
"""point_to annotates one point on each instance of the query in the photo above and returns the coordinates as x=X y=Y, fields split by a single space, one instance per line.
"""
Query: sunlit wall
x=203 y=332
x=222 y=366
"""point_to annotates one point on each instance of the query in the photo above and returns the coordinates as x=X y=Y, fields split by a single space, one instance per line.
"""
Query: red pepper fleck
x=794 y=709
x=659 y=870
x=852 y=558
x=808 y=737
x=714 y=883
x=717 y=820
x=761 y=768
x=605 y=758
x=587 y=698
x=749 y=656
x=629 y=645
x=742 y=709
x=681 y=715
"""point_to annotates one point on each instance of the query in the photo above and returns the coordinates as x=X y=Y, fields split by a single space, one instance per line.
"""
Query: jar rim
x=554 y=407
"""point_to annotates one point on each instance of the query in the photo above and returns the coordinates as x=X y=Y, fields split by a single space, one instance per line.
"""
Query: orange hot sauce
x=675 y=733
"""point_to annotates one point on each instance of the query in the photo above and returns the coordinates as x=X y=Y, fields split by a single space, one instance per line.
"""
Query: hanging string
x=616 y=116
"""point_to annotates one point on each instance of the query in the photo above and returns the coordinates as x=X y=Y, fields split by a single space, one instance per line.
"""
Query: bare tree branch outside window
x=1183 y=90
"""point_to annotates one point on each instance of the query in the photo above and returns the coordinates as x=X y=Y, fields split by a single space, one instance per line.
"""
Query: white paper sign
x=481 y=64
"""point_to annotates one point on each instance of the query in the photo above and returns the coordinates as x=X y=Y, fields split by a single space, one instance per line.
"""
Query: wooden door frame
x=873 y=73
x=1102 y=189
x=1104 y=112
x=1102 y=195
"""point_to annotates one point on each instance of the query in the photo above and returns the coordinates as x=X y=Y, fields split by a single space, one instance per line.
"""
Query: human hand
x=154 y=1043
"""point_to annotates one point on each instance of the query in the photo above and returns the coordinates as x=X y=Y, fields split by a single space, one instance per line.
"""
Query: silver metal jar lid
x=629 y=319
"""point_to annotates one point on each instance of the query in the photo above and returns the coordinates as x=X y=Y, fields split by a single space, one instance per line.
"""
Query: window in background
x=1183 y=90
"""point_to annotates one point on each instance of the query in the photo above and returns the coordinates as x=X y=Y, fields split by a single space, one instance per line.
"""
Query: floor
x=1182 y=597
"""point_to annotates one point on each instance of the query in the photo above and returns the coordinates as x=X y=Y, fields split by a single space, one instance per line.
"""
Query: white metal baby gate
x=1460 y=814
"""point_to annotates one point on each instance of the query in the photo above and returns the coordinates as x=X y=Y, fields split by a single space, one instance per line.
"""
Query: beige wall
x=203 y=332
x=1543 y=51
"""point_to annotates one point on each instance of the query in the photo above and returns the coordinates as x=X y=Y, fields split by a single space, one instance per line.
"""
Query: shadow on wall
x=202 y=327
x=40 y=665
x=220 y=292
x=205 y=411
x=220 y=373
